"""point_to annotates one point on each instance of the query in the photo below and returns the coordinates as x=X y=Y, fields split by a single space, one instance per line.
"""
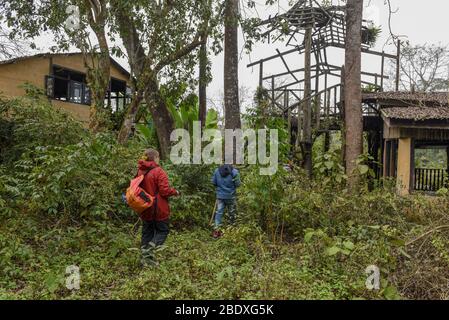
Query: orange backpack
x=138 y=199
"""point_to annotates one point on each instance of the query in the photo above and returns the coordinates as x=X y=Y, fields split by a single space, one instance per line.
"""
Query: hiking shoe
x=217 y=234
x=148 y=256
x=151 y=263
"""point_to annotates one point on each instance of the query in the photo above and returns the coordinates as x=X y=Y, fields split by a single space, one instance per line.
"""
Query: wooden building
x=63 y=77
x=414 y=122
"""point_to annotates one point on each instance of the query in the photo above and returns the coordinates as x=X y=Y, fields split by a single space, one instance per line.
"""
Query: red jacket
x=156 y=181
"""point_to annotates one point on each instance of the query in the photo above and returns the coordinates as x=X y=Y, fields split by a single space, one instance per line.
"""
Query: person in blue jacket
x=226 y=180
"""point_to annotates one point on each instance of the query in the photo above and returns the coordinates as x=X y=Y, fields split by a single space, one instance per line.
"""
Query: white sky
x=418 y=21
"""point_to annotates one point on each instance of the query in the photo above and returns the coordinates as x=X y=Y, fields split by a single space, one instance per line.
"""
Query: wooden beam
x=317 y=110
x=286 y=65
x=336 y=45
x=330 y=67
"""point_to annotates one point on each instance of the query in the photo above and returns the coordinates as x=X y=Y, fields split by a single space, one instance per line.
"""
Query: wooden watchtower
x=311 y=96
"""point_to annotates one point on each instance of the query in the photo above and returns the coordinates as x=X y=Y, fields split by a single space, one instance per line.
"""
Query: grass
x=241 y=265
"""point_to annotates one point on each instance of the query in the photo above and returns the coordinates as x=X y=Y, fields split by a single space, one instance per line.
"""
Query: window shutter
x=50 y=86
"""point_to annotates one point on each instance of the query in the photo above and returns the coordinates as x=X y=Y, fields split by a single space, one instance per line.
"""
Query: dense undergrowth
x=60 y=205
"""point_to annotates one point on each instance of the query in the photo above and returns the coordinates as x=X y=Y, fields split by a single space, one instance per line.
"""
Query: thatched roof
x=401 y=98
x=416 y=113
x=416 y=106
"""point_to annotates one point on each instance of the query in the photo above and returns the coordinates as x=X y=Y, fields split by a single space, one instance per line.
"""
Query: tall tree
x=11 y=48
x=424 y=68
x=352 y=90
x=307 y=111
x=231 y=65
x=97 y=62
x=157 y=53
x=202 y=92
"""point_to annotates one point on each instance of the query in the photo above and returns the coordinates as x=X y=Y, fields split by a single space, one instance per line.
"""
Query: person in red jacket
x=155 y=226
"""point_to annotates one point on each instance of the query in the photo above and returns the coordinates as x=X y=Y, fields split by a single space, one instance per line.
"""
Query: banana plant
x=211 y=119
x=185 y=109
x=146 y=133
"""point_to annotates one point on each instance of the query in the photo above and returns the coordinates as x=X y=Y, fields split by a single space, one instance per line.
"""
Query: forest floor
x=241 y=265
x=192 y=265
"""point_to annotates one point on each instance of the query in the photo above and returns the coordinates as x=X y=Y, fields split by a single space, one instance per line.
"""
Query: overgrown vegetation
x=60 y=205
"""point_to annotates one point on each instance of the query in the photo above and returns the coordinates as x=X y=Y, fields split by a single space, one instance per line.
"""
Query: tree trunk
x=99 y=66
x=130 y=118
x=231 y=63
x=203 y=84
x=352 y=91
x=307 y=135
x=136 y=58
x=145 y=71
x=98 y=79
x=162 y=118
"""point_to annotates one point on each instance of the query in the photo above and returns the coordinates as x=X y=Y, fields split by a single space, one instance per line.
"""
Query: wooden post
x=342 y=108
x=412 y=165
x=328 y=104
x=336 y=100
x=371 y=137
x=299 y=126
x=273 y=95
x=385 y=159
x=392 y=158
x=377 y=153
x=382 y=72
x=447 y=163
x=325 y=96
x=404 y=166
x=398 y=65
x=261 y=74
x=342 y=92
x=317 y=96
x=382 y=152
x=289 y=115
x=307 y=136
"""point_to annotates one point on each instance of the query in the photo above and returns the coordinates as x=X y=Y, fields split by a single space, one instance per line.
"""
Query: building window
x=68 y=85
x=118 y=95
x=71 y=86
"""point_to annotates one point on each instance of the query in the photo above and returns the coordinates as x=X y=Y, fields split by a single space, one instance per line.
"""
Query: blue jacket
x=226 y=179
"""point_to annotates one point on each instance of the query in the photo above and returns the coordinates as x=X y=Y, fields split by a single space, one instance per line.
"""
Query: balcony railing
x=430 y=179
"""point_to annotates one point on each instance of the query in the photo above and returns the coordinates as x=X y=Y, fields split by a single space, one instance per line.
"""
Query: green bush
x=80 y=180
x=196 y=204
x=60 y=204
x=33 y=122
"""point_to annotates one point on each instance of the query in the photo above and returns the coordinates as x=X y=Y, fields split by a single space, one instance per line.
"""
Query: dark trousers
x=154 y=231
